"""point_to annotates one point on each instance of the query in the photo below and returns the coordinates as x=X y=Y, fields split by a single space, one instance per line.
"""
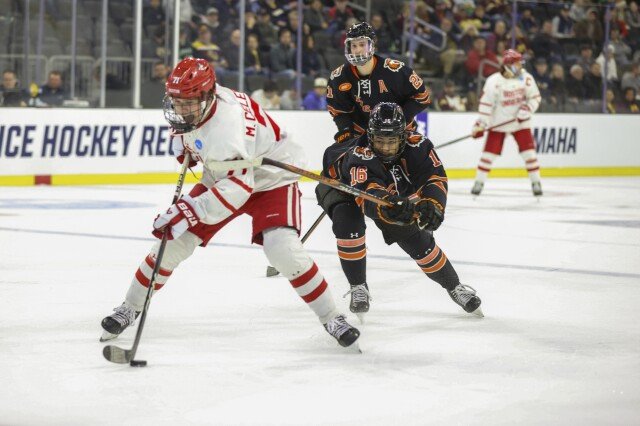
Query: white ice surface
x=560 y=344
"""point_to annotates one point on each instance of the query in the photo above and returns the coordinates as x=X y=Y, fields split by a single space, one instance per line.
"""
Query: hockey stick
x=442 y=145
x=221 y=166
x=123 y=356
x=271 y=271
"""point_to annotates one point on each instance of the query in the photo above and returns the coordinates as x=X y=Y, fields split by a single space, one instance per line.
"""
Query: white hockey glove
x=524 y=114
x=477 y=131
x=182 y=142
x=183 y=215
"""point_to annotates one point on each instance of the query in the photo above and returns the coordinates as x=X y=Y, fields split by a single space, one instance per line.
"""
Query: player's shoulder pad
x=417 y=140
x=393 y=64
x=336 y=72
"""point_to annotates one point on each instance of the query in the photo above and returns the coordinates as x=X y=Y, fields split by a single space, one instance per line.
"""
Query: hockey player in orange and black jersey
x=368 y=79
x=401 y=167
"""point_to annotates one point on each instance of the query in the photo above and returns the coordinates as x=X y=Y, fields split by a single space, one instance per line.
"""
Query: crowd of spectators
x=563 y=44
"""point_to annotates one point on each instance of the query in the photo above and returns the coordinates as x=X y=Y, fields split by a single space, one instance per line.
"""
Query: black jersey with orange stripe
x=418 y=174
x=351 y=97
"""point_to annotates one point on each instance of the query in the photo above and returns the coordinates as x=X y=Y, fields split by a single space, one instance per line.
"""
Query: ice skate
x=536 y=188
x=360 y=298
x=465 y=296
x=477 y=188
x=117 y=322
x=343 y=332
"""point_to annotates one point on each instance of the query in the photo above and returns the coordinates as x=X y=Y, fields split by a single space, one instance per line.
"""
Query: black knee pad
x=418 y=244
x=348 y=221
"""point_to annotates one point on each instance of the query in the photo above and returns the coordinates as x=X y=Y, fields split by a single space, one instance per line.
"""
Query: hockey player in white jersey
x=509 y=94
x=213 y=124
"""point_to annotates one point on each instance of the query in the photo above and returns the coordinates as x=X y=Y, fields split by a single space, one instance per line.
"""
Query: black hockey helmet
x=387 y=130
x=360 y=32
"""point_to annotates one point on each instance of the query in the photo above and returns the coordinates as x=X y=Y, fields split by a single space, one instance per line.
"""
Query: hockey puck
x=138 y=363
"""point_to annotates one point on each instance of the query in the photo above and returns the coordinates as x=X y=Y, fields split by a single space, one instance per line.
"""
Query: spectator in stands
x=282 y=55
x=557 y=88
x=316 y=99
x=611 y=68
x=267 y=97
x=586 y=57
x=292 y=25
x=184 y=40
x=611 y=102
x=467 y=38
x=232 y=50
x=10 y=93
x=338 y=16
x=277 y=13
x=632 y=18
x=312 y=63
x=315 y=17
x=250 y=22
x=544 y=45
x=562 y=23
x=451 y=55
x=578 y=11
x=153 y=13
x=228 y=11
x=485 y=22
x=593 y=82
x=622 y=50
x=467 y=18
x=384 y=39
x=528 y=22
x=290 y=100
x=500 y=48
x=630 y=103
x=217 y=30
x=540 y=73
x=576 y=87
x=589 y=29
x=186 y=12
x=254 y=61
x=478 y=54
x=450 y=100
x=52 y=93
x=267 y=32
x=152 y=91
x=205 y=48
x=155 y=47
x=631 y=78
x=499 y=33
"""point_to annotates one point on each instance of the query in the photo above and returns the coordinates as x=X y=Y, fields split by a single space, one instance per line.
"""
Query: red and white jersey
x=238 y=128
x=502 y=98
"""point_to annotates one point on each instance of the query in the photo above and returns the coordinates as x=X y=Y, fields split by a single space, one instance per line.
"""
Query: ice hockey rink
x=559 y=344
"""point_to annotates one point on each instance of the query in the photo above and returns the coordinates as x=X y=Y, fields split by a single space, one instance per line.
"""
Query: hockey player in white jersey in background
x=215 y=124
x=509 y=94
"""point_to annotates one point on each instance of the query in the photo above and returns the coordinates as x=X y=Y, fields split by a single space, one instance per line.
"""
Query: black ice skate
x=465 y=296
x=536 y=188
x=477 y=188
x=114 y=324
x=344 y=333
x=360 y=298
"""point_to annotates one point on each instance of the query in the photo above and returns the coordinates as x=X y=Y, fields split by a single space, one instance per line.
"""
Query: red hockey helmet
x=510 y=57
x=190 y=93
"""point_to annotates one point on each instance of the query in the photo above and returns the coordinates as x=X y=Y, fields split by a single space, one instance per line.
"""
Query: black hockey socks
x=349 y=229
x=431 y=259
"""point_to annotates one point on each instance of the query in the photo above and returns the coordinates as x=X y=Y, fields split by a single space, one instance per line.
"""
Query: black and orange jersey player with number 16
x=367 y=79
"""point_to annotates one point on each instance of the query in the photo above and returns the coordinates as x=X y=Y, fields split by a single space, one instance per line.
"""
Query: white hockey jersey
x=502 y=98
x=238 y=129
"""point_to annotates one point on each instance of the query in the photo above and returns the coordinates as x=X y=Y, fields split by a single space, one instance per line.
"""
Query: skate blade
x=360 y=316
x=106 y=336
x=354 y=348
x=478 y=312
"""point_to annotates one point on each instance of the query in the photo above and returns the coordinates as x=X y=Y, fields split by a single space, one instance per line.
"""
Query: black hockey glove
x=400 y=213
x=431 y=214
x=343 y=135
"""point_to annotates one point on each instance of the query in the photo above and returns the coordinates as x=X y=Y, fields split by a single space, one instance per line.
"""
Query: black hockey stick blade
x=271 y=271
x=118 y=355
